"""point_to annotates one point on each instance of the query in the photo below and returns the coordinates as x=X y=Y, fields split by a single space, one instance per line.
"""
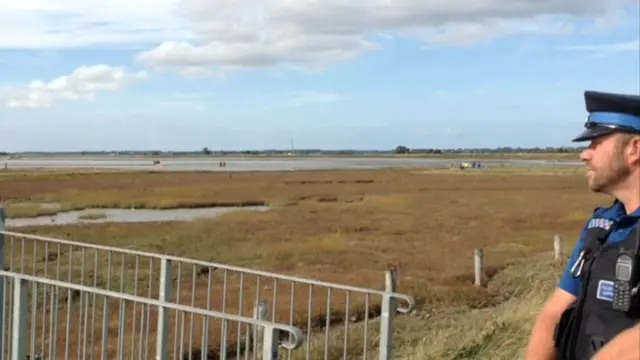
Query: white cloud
x=198 y=38
x=606 y=49
x=618 y=18
x=242 y=34
x=472 y=33
x=82 y=84
x=55 y=24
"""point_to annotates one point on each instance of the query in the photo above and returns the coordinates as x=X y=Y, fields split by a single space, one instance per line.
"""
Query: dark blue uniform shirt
x=623 y=227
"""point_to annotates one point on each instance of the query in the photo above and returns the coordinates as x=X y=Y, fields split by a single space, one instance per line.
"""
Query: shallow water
x=261 y=164
x=127 y=215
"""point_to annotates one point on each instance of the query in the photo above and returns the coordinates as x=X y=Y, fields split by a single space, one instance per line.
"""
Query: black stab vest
x=590 y=321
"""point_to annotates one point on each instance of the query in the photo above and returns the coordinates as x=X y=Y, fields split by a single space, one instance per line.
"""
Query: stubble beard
x=607 y=177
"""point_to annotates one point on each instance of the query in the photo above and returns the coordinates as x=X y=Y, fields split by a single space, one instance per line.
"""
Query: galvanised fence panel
x=68 y=332
x=339 y=321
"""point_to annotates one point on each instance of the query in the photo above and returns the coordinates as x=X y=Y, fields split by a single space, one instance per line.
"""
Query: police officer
x=594 y=313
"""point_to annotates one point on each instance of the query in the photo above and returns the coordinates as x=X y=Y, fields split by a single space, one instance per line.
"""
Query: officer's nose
x=586 y=154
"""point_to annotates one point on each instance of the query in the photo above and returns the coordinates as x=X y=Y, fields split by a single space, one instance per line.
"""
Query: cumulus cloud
x=243 y=34
x=196 y=38
x=82 y=84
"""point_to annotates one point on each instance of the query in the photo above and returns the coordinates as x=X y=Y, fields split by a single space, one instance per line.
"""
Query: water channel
x=108 y=215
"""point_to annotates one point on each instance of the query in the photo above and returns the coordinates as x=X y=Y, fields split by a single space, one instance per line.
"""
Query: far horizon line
x=399 y=150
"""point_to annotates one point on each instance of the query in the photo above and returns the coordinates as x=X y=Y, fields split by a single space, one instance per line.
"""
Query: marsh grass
x=347 y=227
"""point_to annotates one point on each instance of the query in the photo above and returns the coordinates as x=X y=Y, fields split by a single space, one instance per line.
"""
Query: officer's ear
x=632 y=149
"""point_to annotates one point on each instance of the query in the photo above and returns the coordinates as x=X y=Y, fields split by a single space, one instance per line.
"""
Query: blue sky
x=182 y=75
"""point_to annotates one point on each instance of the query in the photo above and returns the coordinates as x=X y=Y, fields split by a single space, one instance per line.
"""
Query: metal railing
x=24 y=324
x=339 y=321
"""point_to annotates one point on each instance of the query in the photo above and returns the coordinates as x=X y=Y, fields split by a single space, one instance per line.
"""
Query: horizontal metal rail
x=298 y=337
x=409 y=299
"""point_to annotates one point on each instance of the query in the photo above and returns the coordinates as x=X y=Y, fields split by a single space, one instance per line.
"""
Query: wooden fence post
x=478 y=266
x=557 y=247
x=478 y=263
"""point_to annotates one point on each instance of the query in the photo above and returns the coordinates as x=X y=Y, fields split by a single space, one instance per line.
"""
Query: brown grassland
x=347 y=227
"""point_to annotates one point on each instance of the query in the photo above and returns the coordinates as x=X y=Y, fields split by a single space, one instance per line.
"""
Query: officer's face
x=606 y=163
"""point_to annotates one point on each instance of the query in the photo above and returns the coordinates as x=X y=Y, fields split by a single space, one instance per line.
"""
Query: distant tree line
x=400 y=149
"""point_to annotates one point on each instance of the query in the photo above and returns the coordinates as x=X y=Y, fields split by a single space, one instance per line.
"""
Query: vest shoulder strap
x=596 y=234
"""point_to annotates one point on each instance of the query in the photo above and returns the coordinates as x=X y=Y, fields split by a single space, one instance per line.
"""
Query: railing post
x=388 y=310
x=270 y=342
x=260 y=312
x=163 y=313
x=3 y=216
x=19 y=328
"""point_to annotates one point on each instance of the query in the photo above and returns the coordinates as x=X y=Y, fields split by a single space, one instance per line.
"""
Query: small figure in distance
x=594 y=313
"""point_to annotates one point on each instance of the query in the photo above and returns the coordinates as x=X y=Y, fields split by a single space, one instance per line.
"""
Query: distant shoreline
x=447 y=156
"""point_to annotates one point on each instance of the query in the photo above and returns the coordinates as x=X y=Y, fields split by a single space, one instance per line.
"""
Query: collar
x=617 y=212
